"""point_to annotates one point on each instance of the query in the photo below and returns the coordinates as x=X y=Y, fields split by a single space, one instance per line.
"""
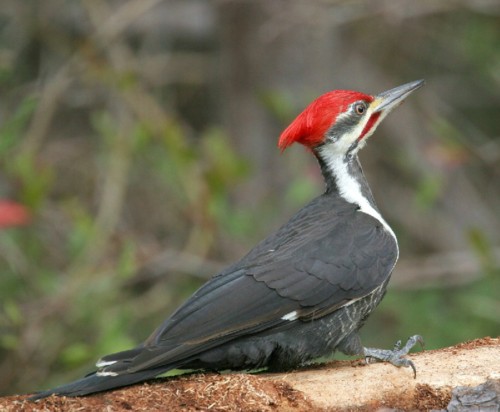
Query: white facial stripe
x=348 y=187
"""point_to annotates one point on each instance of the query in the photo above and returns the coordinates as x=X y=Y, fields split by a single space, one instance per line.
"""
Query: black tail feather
x=94 y=383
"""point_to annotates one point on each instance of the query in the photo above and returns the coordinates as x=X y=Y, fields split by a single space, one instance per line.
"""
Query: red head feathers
x=310 y=126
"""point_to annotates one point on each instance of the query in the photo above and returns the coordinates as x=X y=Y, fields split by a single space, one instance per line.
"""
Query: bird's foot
x=395 y=356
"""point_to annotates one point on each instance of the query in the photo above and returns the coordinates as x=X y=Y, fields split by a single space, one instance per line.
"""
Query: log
x=344 y=385
x=338 y=385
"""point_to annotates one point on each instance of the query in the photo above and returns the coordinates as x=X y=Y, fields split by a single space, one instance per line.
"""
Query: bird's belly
x=292 y=344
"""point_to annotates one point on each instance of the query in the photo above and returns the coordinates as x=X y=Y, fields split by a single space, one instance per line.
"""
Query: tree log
x=338 y=385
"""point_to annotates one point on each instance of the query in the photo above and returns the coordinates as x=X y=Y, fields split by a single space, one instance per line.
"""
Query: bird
x=302 y=293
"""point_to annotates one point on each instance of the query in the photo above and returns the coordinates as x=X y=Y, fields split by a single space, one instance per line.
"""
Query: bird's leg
x=395 y=356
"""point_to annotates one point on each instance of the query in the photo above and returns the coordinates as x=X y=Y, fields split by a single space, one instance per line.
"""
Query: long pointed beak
x=388 y=100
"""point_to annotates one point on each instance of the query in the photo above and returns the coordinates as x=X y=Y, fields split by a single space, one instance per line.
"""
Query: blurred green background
x=142 y=137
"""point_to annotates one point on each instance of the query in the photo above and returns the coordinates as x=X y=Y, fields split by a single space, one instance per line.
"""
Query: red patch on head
x=310 y=126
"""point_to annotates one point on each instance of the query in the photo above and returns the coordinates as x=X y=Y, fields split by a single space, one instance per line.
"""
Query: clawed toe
x=395 y=356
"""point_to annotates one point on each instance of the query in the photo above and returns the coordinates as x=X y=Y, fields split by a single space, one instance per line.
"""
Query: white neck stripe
x=350 y=189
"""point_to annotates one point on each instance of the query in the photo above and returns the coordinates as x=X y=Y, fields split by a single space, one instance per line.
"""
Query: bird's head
x=341 y=121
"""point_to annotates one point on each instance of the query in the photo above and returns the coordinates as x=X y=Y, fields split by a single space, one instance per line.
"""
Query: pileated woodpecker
x=302 y=293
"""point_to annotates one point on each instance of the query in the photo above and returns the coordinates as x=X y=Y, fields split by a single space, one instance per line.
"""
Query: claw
x=420 y=340
x=395 y=356
x=412 y=341
x=371 y=359
x=412 y=365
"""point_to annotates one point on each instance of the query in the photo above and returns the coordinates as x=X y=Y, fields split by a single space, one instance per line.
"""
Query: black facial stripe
x=341 y=126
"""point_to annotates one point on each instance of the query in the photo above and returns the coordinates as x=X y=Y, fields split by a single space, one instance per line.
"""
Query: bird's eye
x=359 y=108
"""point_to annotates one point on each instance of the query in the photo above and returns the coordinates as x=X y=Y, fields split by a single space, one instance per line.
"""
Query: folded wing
x=284 y=278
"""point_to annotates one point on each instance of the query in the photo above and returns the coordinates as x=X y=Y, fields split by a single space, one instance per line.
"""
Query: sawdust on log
x=199 y=392
x=313 y=389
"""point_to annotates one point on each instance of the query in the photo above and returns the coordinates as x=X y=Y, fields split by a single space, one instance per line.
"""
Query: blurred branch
x=149 y=112
x=50 y=95
x=298 y=13
x=52 y=91
x=112 y=192
x=122 y=59
x=171 y=263
x=446 y=269
x=13 y=254
x=118 y=19
x=471 y=137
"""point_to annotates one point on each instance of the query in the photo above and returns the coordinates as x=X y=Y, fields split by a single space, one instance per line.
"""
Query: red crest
x=310 y=126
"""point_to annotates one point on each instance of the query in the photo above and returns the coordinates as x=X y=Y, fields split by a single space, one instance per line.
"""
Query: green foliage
x=443 y=315
x=66 y=283
x=223 y=169
x=278 y=105
x=479 y=40
x=484 y=250
x=428 y=191
x=301 y=190
x=114 y=173
x=11 y=129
